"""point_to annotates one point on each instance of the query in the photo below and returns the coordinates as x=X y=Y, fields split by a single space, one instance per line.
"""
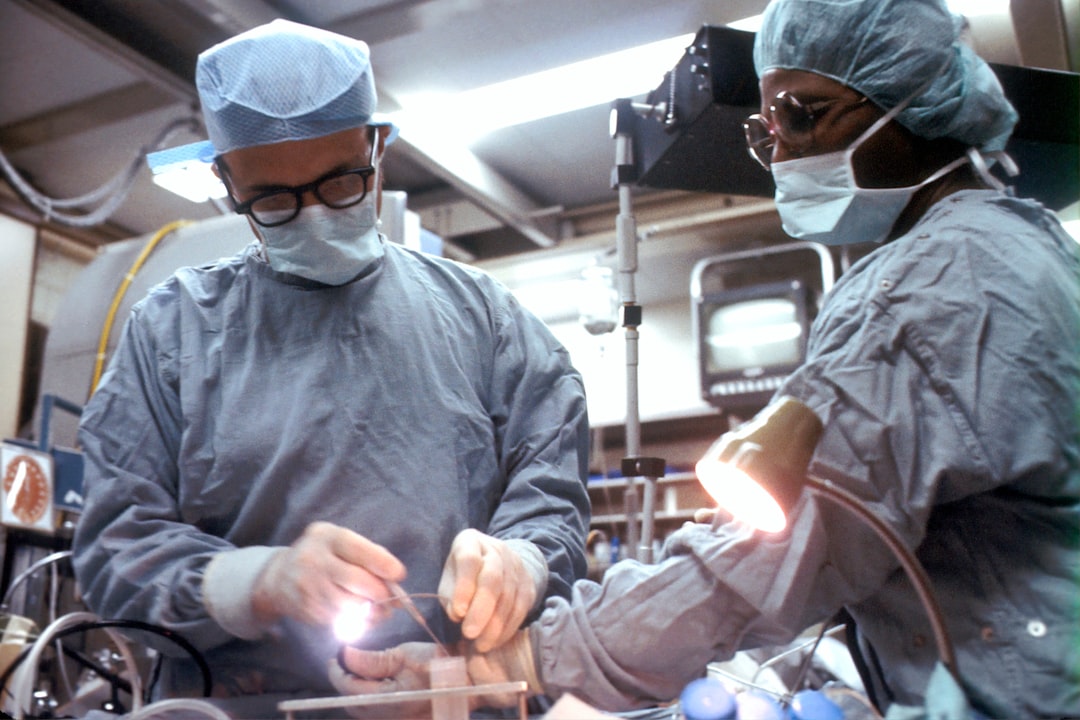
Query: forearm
x=592 y=646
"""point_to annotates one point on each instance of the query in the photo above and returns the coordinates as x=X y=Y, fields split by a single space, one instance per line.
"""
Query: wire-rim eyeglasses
x=793 y=120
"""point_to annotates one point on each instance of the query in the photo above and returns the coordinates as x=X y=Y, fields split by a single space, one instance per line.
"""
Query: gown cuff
x=535 y=564
x=227 y=588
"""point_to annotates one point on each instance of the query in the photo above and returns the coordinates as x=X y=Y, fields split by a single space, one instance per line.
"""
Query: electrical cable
x=54 y=594
x=812 y=644
x=111 y=194
x=173 y=704
x=22 y=683
x=28 y=572
x=118 y=296
x=95 y=623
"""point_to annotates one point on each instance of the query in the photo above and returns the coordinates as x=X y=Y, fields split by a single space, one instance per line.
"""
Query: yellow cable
x=106 y=330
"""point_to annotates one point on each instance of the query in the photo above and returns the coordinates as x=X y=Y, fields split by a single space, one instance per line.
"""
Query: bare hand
x=324 y=569
x=487 y=588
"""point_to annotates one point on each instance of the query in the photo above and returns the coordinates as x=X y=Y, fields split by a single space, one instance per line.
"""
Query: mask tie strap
x=978 y=161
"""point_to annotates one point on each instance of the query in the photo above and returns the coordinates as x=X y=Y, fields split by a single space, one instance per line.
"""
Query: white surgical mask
x=819 y=199
x=327 y=245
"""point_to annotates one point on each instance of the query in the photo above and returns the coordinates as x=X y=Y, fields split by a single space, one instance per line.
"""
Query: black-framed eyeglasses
x=337 y=189
x=793 y=120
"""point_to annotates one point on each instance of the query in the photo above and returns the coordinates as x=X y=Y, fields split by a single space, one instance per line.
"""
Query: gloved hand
x=705 y=515
x=490 y=585
x=406 y=667
x=400 y=669
x=324 y=569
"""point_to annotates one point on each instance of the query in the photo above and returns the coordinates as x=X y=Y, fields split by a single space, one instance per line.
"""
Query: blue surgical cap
x=283 y=81
x=889 y=50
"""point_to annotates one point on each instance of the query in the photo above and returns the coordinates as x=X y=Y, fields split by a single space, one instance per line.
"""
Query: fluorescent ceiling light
x=752 y=23
x=186 y=171
x=468 y=115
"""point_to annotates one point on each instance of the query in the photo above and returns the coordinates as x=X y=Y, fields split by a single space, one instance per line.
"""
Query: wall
x=17 y=260
x=667 y=365
x=547 y=282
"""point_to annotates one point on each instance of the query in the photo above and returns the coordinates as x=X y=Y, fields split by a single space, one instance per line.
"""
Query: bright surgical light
x=352 y=622
x=626 y=73
x=738 y=494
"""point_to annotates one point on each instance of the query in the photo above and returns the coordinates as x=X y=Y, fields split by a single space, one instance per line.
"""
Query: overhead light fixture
x=750 y=24
x=467 y=116
x=186 y=171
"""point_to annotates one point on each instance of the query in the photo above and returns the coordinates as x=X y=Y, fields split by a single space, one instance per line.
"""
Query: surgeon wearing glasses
x=945 y=368
x=297 y=431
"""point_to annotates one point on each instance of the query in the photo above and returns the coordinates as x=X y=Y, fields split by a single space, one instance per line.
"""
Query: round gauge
x=26 y=489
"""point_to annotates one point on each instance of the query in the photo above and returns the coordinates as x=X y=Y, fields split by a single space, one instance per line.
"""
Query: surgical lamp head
x=889 y=50
x=284 y=81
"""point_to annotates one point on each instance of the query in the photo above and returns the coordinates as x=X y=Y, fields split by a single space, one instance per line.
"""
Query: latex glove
x=327 y=568
x=705 y=515
x=489 y=586
x=399 y=669
x=407 y=667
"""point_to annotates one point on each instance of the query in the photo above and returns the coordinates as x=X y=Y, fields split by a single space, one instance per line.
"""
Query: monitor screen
x=753 y=335
x=749 y=339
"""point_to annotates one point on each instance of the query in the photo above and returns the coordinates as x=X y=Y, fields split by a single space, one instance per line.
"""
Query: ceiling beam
x=460 y=168
x=480 y=184
x=85 y=115
x=101 y=42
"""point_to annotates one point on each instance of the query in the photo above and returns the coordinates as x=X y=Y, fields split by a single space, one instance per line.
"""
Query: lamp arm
x=911 y=565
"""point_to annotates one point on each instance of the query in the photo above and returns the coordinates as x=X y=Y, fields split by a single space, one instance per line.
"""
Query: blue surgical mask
x=819 y=199
x=327 y=245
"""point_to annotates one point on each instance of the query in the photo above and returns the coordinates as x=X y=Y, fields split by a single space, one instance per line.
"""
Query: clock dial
x=26 y=489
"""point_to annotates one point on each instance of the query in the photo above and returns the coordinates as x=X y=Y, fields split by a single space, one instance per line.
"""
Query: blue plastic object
x=707 y=699
x=813 y=705
x=756 y=706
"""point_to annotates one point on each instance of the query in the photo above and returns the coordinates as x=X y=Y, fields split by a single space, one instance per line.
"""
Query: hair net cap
x=284 y=81
x=890 y=50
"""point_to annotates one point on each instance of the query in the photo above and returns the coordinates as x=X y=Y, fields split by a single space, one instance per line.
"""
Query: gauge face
x=26 y=489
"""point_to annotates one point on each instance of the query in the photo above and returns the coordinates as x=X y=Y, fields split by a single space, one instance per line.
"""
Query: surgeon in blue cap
x=299 y=430
x=945 y=368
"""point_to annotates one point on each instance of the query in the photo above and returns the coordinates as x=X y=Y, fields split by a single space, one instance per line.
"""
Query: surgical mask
x=326 y=245
x=819 y=199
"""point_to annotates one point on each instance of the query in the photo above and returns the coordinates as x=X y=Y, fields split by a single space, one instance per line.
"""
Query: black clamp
x=651 y=467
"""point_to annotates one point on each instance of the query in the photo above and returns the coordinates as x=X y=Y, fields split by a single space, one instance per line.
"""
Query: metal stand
x=623 y=114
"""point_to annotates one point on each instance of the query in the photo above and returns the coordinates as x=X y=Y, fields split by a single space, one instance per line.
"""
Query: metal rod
x=345 y=701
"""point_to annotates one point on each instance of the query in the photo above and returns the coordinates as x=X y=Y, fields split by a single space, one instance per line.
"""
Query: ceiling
x=87 y=87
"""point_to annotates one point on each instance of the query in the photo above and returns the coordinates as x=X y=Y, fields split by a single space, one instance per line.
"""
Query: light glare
x=194 y=181
x=352 y=622
x=738 y=494
x=627 y=73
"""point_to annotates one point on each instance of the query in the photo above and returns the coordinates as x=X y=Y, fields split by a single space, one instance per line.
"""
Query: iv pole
x=634 y=465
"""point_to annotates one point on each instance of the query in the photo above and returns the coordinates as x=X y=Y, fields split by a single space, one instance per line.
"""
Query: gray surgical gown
x=946 y=368
x=243 y=404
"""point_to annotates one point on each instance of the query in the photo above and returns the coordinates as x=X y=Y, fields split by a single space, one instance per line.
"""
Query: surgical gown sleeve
x=946 y=370
x=155 y=559
x=542 y=429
